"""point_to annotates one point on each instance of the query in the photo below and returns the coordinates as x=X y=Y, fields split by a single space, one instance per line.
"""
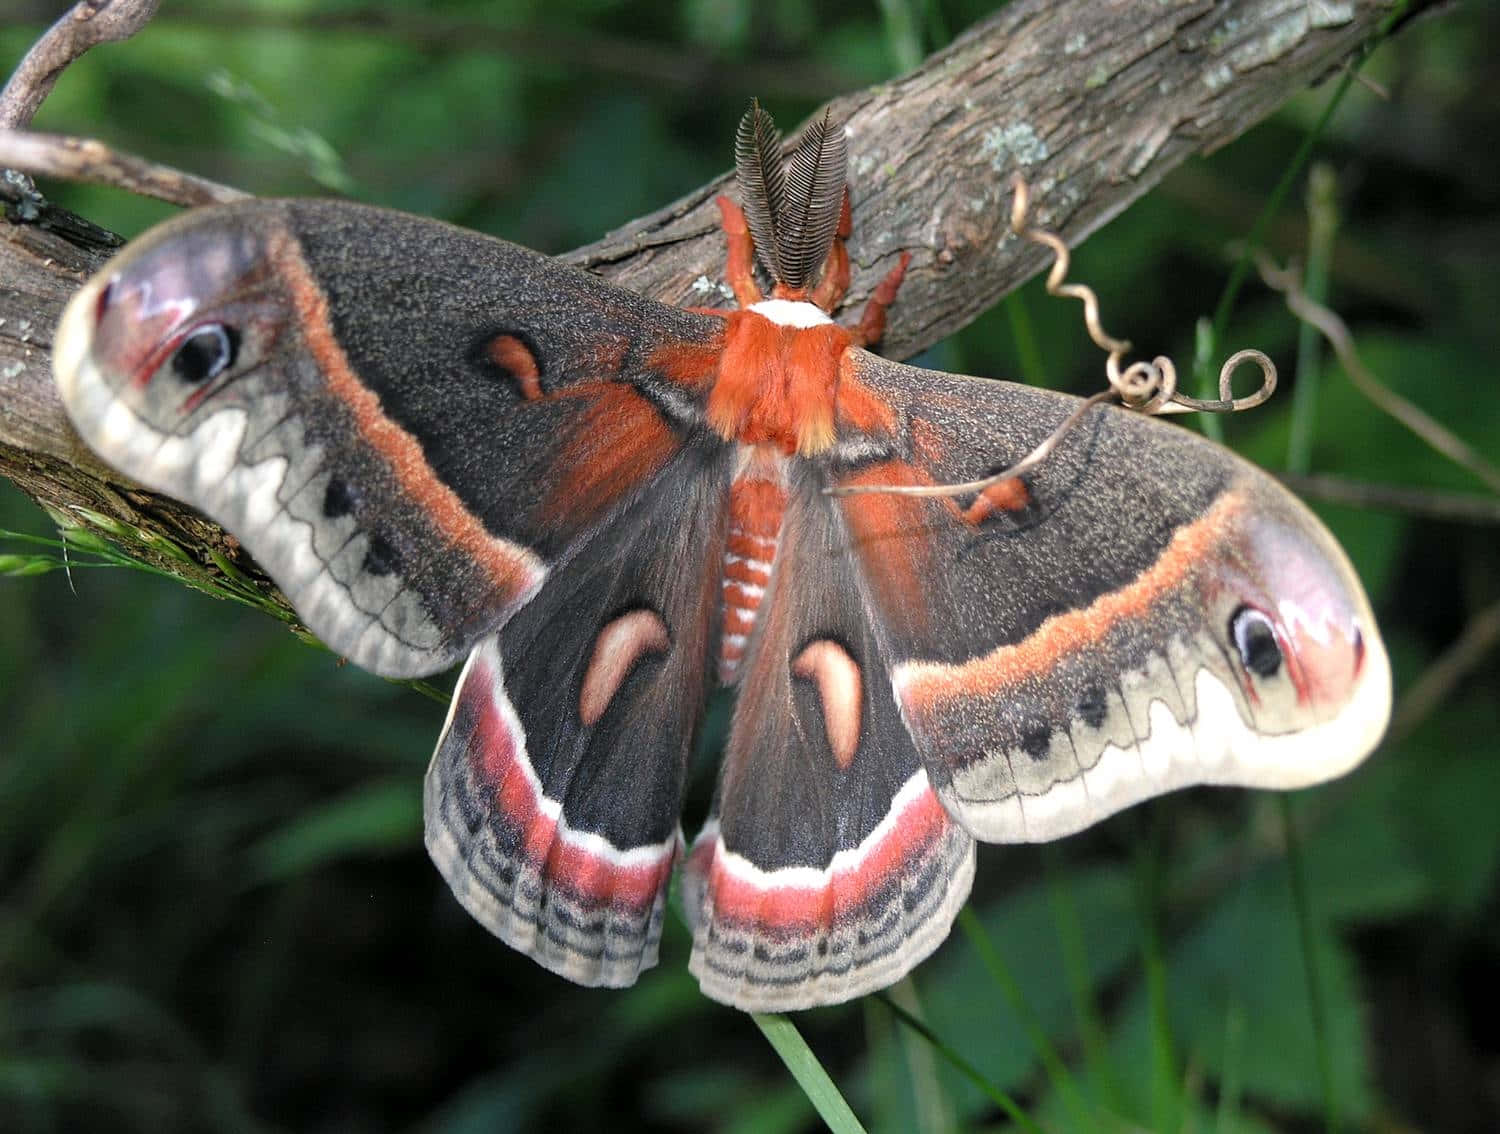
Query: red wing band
x=779 y=940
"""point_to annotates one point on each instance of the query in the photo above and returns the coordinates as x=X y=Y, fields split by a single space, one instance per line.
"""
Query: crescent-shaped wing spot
x=573 y=900
x=829 y=666
x=518 y=362
x=1010 y=495
x=616 y=650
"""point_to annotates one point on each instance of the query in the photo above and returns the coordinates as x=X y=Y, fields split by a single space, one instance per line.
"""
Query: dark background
x=215 y=912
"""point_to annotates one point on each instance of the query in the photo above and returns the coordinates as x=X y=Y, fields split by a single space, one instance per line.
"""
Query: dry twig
x=1335 y=330
x=1433 y=688
x=1455 y=507
x=84 y=159
x=81 y=27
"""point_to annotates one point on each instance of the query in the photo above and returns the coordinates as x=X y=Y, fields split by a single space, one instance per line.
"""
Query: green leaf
x=1245 y=955
x=383 y=817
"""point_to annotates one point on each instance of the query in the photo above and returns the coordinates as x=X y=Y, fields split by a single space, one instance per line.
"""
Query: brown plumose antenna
x=792 y=210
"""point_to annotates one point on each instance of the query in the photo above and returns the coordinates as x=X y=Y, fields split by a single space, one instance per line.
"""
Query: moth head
x=166 y=328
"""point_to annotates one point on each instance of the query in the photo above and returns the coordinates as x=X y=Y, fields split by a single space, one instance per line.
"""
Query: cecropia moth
x=441 y=446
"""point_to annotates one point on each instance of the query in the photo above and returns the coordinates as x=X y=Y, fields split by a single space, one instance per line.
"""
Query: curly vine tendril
x=1144 y=387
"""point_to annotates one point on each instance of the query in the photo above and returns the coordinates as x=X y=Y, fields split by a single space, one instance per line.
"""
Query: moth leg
x=872 y=322
x=739 y=267
x=835 y=282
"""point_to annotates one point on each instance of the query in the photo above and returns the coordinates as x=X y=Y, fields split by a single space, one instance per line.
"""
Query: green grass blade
x=903 y=35
x=1165 y=1089
x=933 y=1107
x=1296 y=873
x=1087 y=1019
x=964 y=1067
x=788 y=1043
x=1057 y=1071
x=1323 y=223
x=1228 y=1116
x=1207 y=378
x=384 y=817
x=886 y=1110
x=1023 y=333
x=1208 y=384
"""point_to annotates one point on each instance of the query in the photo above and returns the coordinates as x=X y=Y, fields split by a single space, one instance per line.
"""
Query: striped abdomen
x=757 y=499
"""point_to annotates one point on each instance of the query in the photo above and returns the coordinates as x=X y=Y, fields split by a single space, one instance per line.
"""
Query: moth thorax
x=757 y=501
x=777 y=378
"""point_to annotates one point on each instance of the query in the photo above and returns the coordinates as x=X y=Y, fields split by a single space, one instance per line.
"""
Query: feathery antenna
x=814 y=194
x=792 y=210
x=757 y=164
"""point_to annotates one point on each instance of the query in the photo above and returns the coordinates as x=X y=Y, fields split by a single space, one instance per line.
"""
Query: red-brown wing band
x=574 y=901
x=799 y=937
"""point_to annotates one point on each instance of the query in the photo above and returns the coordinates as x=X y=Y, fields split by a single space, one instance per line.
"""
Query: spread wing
x=409 y=425
x=553 y=798
x=1143 y=612
x=829 y=867
x=435 y=443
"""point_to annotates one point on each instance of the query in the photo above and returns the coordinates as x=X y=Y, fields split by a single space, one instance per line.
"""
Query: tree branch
x=1093 y=100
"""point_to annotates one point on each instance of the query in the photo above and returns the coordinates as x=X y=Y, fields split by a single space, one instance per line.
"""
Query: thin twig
x=1020 y=468
x=1480 y=637
x=1147 y=387
x=83 y=26
x=1408 y=414
x=1458 y=507
x=84 y=159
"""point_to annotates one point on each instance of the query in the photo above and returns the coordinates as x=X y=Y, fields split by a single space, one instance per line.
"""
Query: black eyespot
x=1093 y=706
x=206 y=353
x=1037 y=743
x=1255 y=638
x=380 y=557
x=337 y=499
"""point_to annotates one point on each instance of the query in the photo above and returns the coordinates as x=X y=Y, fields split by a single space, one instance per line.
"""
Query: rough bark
x=1094 y=101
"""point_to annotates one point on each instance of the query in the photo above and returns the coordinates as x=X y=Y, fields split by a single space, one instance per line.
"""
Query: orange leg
x=739 y=268
x=872 y=322
x=835 y=281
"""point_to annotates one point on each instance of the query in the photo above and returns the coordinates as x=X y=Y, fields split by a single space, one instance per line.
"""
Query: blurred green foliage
x=215 y=911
